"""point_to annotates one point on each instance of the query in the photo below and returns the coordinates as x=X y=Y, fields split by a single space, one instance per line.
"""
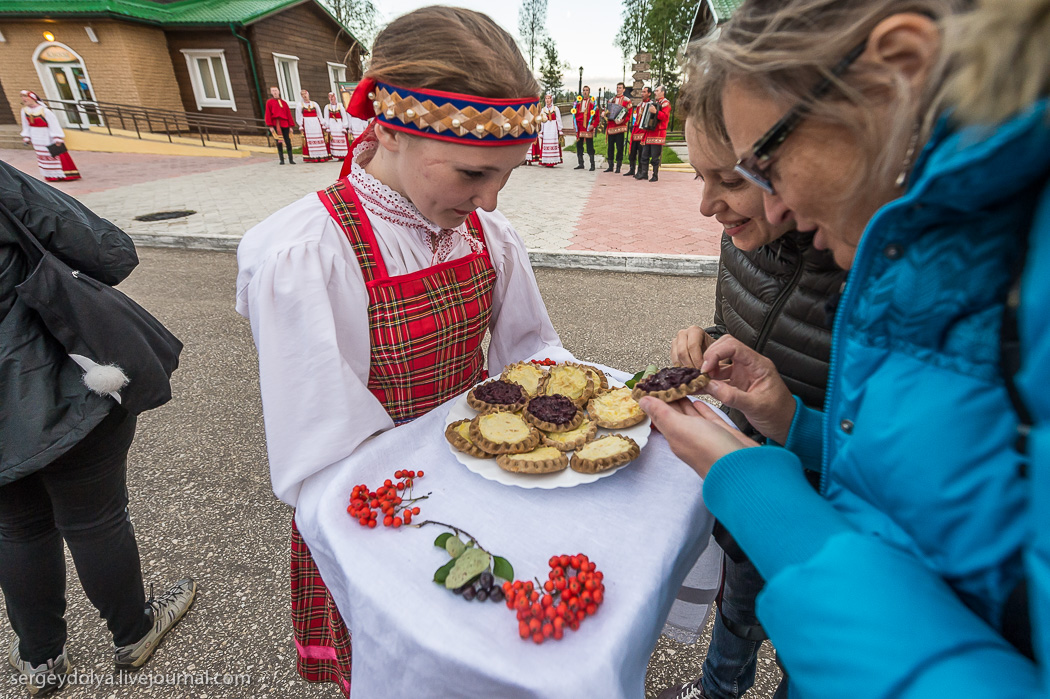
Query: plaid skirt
x=322 y=640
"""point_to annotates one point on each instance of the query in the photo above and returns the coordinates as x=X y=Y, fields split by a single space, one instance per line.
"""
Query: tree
x=359 y=16
x=552 y=69
x=532 y=27
x=660 y=27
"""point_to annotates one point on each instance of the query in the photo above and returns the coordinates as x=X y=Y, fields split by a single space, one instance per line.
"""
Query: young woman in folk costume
x=40 y=128
x=369 y=300
x=309 y=118
x=336 y=123
x=550 y=133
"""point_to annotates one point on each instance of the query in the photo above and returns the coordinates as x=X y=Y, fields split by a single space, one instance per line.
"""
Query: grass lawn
x=601 y=148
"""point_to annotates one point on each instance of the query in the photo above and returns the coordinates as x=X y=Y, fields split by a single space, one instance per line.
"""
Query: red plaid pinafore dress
x=426 y=332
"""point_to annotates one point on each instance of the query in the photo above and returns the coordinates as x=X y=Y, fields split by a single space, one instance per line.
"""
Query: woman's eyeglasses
x=754 y=165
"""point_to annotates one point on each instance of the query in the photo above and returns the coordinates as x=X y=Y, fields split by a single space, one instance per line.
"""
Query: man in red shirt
x=656 y=137
x=616 y=128
x=637 y=133
x=586 y=115
x=279 y=119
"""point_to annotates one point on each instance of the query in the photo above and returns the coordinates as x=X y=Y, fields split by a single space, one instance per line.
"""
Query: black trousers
x=635 y=154
x=81 y=497
x=582 y=143
x=285 y=132
x=615 y=142
x=651 y=154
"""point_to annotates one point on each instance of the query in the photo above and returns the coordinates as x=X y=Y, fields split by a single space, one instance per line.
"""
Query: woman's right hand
x=689 y=345
x=745 y=380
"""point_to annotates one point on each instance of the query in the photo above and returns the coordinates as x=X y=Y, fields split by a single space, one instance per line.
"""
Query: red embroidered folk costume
x=413 y=318
x=278 y=114
x=336 y=123
x=550 y=137
x=658 y=136
x=586 y=115
x=616 y=132
x=40 y=126
x=612 y=128
x=308 y=116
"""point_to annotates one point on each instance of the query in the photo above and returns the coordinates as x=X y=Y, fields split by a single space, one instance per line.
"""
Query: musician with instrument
x=637 y=134
x=586 y=115
x=618 y=110
x=654 y=123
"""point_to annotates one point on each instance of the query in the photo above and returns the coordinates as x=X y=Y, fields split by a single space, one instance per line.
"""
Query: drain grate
x=164 y=215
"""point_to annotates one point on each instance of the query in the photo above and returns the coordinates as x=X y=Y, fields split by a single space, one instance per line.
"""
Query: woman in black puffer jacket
x=63 y=456
x=776 y=293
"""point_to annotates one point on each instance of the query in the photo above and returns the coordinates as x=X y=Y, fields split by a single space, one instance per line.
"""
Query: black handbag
x=94 y=320
x=57 y=149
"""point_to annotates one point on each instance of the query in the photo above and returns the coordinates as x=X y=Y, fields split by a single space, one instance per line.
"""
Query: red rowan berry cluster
x=544 y=362
x=388 y=500
x=566 y=599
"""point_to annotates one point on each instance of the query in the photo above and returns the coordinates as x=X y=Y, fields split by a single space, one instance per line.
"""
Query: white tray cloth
x=644 y=527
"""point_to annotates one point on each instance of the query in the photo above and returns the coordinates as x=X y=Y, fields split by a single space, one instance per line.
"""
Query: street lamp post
x=580 y=92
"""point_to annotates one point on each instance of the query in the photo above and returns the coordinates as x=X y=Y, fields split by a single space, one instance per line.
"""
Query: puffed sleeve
x=299 y=114
x=519 y=325
x=308 y=310
x=25 y=124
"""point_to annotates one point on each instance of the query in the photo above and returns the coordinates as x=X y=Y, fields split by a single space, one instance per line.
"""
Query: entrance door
x=65 y=79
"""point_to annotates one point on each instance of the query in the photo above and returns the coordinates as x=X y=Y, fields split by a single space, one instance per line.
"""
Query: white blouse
x=300 y=285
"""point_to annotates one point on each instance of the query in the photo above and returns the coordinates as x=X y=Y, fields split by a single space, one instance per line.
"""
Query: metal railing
x=208 y=127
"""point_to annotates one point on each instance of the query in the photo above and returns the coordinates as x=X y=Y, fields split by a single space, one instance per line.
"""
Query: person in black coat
x=775 y=292
x=63 y=457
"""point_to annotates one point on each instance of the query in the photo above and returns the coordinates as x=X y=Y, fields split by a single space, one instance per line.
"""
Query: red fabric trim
x=365 y=231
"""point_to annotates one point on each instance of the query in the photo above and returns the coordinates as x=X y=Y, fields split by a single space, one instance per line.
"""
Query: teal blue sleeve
x=863 y=620
x=762 y=497
x=806 y=436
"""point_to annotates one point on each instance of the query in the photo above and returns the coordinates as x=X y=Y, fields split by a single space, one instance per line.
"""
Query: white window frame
x=91 y=35
x=333 y=78
x=289 y=92
x=192 y=55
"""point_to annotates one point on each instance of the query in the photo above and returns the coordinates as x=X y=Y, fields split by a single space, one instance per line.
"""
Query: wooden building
x=204 y=56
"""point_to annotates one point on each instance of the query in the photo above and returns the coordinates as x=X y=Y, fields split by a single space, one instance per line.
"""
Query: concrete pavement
x=567 y=218
x=201 y=498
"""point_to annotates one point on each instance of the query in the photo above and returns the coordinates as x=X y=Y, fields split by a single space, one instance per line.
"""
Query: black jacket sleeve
x=719 y=328
x=67 y=228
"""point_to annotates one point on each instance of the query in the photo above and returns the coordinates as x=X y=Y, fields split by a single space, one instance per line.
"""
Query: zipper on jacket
x=778 y=304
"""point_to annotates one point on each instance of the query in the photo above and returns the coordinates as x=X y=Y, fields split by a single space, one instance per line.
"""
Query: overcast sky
x=583 y=30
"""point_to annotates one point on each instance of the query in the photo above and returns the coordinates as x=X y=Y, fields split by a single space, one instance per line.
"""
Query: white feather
x=105 y=379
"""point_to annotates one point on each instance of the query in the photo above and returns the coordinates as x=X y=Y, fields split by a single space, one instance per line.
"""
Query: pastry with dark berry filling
x=497 y=396
x=671 y=384
x=555 y=413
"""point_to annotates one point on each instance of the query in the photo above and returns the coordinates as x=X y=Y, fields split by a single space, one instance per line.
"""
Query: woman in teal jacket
x=928 y=517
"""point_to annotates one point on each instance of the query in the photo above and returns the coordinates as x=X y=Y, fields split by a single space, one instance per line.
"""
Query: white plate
x=489 y=469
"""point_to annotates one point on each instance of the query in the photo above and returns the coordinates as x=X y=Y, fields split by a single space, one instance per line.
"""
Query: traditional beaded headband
x=448 y=116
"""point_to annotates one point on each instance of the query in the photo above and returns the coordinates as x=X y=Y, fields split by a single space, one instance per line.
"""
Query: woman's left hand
x=697 y=437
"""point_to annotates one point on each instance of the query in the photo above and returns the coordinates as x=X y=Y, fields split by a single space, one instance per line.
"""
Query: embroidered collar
x=382 y=201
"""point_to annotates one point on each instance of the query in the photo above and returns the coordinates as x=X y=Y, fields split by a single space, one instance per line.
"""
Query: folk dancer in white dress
x=336 y=123
x=369 y=300
x=550 y=133
x=357 y=126
x=308 y=117
x=40 y=128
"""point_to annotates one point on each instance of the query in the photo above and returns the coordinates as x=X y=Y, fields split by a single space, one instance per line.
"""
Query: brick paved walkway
x=559 y=210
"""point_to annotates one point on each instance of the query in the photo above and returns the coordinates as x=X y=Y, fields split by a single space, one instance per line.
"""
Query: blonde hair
x=784 y=48
x=454 y=50
x=1002 y=58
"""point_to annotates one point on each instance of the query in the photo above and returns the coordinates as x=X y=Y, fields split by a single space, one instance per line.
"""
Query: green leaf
x=502 y=568
x=442 y=573
x=455 y=547
x=467 y=567
x=442 y=538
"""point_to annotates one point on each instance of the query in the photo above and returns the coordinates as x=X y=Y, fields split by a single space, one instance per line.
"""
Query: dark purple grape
x=469 y=593
x=486 y=580
x=497 y=594
x=483 y=595
x=463 y=588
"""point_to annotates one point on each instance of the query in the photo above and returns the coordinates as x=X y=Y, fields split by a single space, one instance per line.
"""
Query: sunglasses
x=754 y=165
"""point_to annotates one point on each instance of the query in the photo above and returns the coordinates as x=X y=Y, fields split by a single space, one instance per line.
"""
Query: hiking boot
x=41 y=680
x=166 y=610
x=689 y=690
x=654 y=178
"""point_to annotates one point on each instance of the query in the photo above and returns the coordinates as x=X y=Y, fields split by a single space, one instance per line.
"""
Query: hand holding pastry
x=688 y=347
x=750 y=384
x=697 y=437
